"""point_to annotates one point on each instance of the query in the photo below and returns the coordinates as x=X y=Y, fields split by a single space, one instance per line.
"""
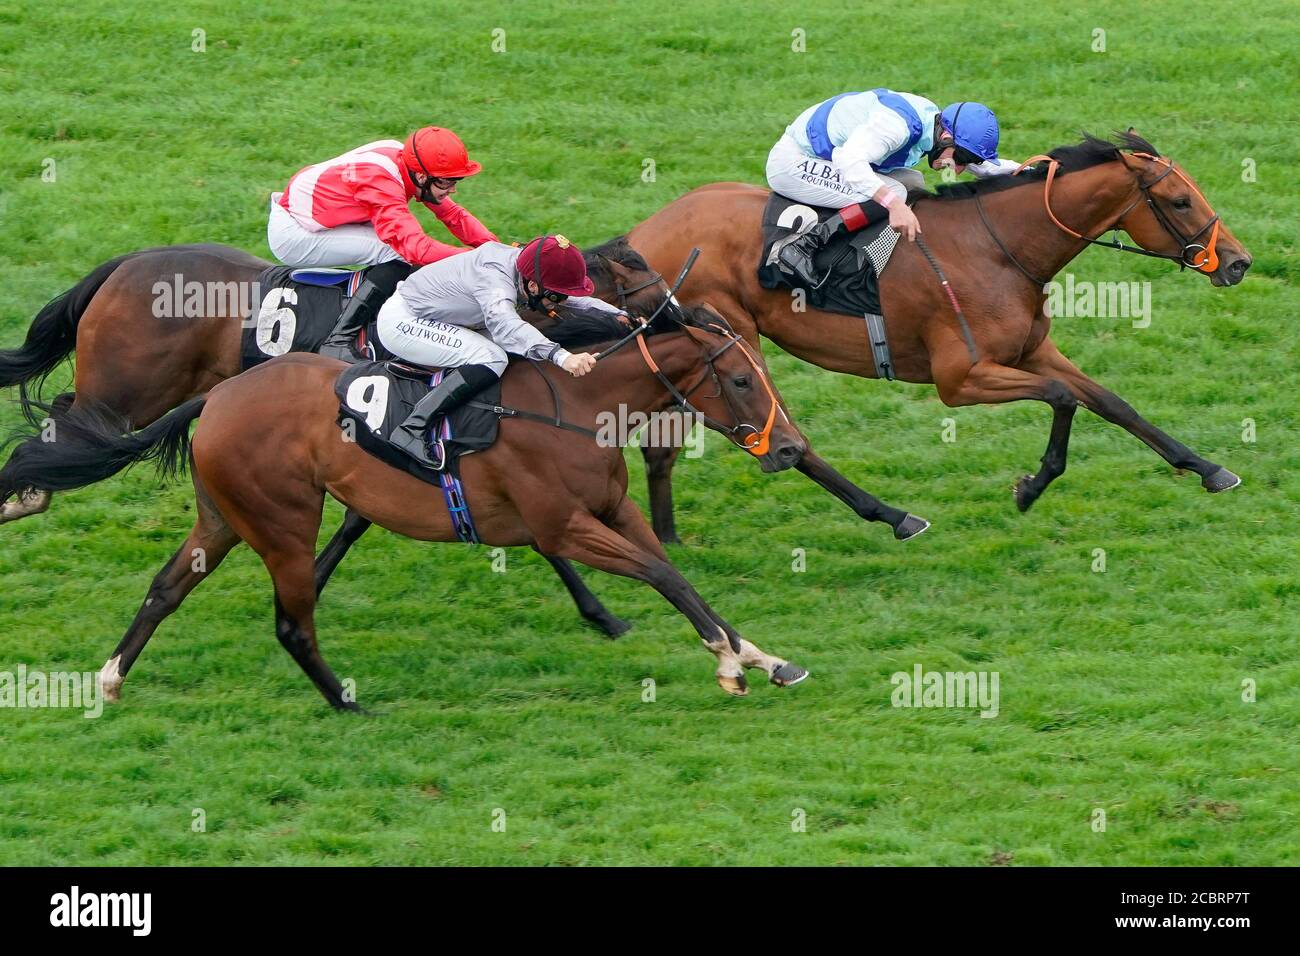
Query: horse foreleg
x=353 y=527
x=988 y=383
x=866 y=506
x=629 y=522
x=659 y=479
x=589 y=605
x=582 y=537
x=1048 y=360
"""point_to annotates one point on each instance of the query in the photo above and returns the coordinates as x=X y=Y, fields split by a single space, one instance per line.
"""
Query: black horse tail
x=88 y=445
x=52 y=336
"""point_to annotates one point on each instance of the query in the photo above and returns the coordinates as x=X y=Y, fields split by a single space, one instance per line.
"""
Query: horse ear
x=707 y=315
x=615 y=267
x=705 y=337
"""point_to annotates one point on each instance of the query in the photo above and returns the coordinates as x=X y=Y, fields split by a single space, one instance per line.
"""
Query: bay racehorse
x=139 y=365
x=262 y=477
x=998 y=241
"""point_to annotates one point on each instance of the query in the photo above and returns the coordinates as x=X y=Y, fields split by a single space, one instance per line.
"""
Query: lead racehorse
x=998 y=242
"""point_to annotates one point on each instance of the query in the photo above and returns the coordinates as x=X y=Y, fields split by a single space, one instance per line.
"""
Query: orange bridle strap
x=1207 y=260
x=756 y=442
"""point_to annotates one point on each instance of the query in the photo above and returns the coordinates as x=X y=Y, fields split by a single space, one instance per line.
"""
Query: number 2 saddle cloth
x=852 y=263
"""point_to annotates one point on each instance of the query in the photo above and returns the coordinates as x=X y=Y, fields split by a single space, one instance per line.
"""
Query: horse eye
x=1182 y=202
x=741 y=381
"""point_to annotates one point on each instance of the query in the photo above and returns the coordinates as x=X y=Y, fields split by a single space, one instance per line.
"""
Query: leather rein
x=1204 y=260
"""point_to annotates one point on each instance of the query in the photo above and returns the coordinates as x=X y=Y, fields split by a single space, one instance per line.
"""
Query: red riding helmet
x=560 y=262
x=437 y=152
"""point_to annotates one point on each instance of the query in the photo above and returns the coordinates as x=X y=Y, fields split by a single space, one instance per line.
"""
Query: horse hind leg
x=294 y=577
x=25 y=505
x=35 y=502
x=205 y=548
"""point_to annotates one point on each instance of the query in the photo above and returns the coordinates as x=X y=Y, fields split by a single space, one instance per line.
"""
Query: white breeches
x=355 y=244
x=820 y=182
x=432 y=343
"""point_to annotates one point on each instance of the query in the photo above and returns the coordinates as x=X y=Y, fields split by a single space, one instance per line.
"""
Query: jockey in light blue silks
x=857 y=153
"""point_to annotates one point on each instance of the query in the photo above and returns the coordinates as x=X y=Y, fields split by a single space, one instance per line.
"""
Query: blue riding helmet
x=973 y=127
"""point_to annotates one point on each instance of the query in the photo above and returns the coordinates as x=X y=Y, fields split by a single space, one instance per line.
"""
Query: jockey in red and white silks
x=354 y=209
x=857 y=153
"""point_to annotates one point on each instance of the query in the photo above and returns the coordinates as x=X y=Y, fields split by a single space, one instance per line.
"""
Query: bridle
x=1205 y=260
x=623 y=293
x=755 y=440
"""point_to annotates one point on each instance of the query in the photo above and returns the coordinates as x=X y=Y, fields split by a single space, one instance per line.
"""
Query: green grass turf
x=1120 y=690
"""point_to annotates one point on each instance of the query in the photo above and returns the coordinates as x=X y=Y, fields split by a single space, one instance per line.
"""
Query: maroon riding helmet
x=556 y=265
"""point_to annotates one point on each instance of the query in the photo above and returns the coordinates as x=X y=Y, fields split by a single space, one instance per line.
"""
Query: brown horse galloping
x=998 y=241
x=262 y=477
x=139 y=365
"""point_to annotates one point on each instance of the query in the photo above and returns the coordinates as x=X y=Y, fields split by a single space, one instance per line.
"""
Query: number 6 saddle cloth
x=294 y=310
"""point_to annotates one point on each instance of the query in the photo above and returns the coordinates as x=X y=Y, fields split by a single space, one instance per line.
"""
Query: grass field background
x=1120 y=691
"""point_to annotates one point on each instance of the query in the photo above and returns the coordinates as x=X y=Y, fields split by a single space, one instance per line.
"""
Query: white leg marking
x=110 y=679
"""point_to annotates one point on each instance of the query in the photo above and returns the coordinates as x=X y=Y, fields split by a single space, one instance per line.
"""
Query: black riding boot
x=456 y=388
x=379 y=284
x=797 y=256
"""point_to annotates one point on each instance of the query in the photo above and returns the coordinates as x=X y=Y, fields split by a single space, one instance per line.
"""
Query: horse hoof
x=111 y=680
x=910 y=527
x=735 y=686
x=1220 y=480
x=669 y=538
x=787 y=675
x=613 y=626
x=1024 y=492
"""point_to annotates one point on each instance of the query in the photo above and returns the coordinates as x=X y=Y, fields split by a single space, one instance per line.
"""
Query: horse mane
x=615 y=250
x=1092 y=151
x=583 y=331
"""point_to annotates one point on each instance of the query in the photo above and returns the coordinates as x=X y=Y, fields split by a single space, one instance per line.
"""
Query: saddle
x=296 y=312
x=376 y=397
x=852 y=263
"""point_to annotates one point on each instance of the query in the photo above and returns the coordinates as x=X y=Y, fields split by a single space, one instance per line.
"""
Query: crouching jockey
x=355 y=210
x=856 y=152
x=461 y=314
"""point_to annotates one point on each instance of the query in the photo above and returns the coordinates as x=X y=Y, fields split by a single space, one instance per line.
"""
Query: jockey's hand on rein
x=579 y=364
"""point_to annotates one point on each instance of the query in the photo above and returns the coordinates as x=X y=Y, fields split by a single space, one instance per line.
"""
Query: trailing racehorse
x=262 y=478
x=999 y=241
x=138 y=365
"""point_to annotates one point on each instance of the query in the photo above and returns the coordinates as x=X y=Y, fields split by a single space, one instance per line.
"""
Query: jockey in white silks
x=857 y=153
x=461 y=314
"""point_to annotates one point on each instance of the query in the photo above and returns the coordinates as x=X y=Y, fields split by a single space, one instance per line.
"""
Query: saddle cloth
x=376 y=397
x=297 y=311
x=854 y=261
